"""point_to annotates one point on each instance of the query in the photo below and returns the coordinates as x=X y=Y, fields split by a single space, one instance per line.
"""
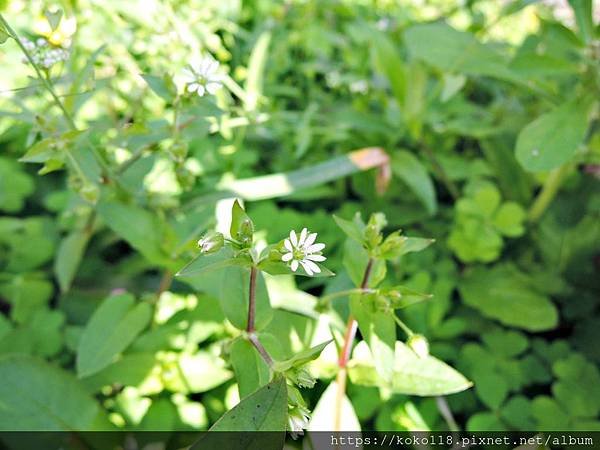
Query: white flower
x=42 y=54
x=298 y=419
x=418 y=344
x=202 y=76
x=303 y=251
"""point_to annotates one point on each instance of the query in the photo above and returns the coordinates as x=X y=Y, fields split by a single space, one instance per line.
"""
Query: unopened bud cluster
x=43 y=54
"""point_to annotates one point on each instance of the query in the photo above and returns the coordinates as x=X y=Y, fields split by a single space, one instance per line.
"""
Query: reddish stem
x=349 y=336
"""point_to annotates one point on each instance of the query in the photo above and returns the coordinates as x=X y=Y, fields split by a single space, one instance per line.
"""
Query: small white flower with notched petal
x=303 y=251
x=202 y=76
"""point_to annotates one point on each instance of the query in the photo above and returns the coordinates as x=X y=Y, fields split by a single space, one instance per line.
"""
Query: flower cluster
x=303 y=251
x=203 y=76
x=43 y=54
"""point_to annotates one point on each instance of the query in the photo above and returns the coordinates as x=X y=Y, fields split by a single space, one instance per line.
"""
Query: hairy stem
x=251 y=301
x=351 y=327
x=548 y=192
x=252 y=337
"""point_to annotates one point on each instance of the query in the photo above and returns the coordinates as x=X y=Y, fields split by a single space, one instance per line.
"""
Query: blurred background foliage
x=488 y=111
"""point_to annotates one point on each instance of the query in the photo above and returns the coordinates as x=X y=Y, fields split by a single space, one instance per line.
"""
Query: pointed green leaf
x=264 y=410
x=112 y=327
x=162 y=86
x=234 y=298
x=501 y=294
x=207 y=263
x=69 y=255
x=409 y=169
x=242 y=227
x=413 y=375
x=302 y=358
x=3 y=34
x=35 y=395
x=256 y=68
x=251 y=371
x=352 y=228
x=378 y=329
x=138 y=226
x=553 y=138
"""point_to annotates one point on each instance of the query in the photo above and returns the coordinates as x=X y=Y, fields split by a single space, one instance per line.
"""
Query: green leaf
x=162 y=86
x=491 y=387
x=234 y=298
x=35 y=395
x=324 y=414
x=584 y=15
x=484 y=421
x=413 y=375
x=251 y=372
x=53 y=17
x=410 y=170
x=509 y=219
x=256 y=68
x=353 y=229
x=283 y=184
x=112 y=327
x=27 y=293
x=450 y=50
x=378 y=329
x=553 y=138
x=140 y=228
x=413 y=244
x=355 y=261
x=69 y=255
x=215 y=261
x=264 y=410
x=3 y=34
x=549 y=414
x=501 y=294
x=387 y=60
x=15 y=186
x=241 y=228
x=133 y=369
x=402 y=297
x=578 y=386
x=302 y=358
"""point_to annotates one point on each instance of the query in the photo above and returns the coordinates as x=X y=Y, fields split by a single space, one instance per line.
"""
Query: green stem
x=39 y=73
x=548 y=192
x=402 y=325
x=48 y=86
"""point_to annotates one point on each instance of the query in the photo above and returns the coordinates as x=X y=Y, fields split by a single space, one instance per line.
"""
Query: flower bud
x=90 y=192
x=211 y=242
x=418 y=344
x=246 y=231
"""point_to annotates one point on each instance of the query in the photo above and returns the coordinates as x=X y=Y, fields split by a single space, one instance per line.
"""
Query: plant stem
x=252 y=337
x=402 y=325
x=444 y=409
x=349 y=336
x=165 y=282
x=39 y=73
x=548 y=192
x=251 y=301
